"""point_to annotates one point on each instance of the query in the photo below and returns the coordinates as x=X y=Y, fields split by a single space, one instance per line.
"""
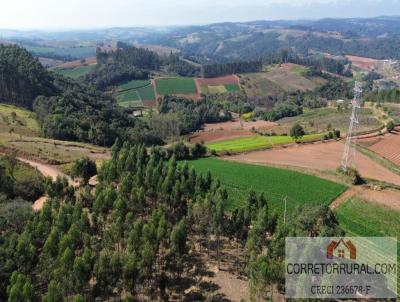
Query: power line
x=349 y=153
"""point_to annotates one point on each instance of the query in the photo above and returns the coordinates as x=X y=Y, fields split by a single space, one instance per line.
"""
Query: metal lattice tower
x=349 y=152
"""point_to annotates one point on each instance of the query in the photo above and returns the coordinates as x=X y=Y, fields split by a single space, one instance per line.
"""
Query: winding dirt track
x=47 y=171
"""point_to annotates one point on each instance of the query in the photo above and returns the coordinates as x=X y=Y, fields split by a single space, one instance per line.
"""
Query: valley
x=149 y=164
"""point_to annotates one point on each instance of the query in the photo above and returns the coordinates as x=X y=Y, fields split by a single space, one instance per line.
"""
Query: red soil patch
x=77 y=63
x=320 y=157
x=235 y=125
x=362 y=62
x=218 y=135
x=288 y=66
x=150 y=104
x=229 y=79
x=387 y=197
x=387 y=146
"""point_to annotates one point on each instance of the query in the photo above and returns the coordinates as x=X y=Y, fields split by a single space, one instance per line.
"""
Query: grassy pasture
x=18 y=121
x=392 y=111
x=316 y=120
x=256 y=142
x=175 y=86
x=75 y=72
x=277 y=80
x=20 y=132
x=276 y=183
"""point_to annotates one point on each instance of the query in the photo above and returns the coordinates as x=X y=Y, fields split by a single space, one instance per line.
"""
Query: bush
x=84 y=168
x=390 y=126
x=297 y=131
x=198 y=150
x=353 y=174
x=336 y=133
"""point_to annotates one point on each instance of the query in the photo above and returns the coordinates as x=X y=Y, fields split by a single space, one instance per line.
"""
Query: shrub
x=84 y=168
x=297 y=131
x=353 y=174
x=390 y=126
x=198 y=150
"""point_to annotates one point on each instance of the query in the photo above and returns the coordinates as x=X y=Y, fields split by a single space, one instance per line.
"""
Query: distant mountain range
x=377 y=37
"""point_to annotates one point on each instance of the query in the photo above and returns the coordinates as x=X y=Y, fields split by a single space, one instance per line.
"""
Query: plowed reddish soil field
x=77 y=63
x=362 y=62
x=387 y=146
x=228 y=130
x=235 y=125
x=229 y=79
x=321 y=156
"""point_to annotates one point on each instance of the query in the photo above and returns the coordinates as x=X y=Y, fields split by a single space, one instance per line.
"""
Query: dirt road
x=47 y=171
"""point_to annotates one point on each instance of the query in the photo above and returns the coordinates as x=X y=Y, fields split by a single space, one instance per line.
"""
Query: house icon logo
x=341 y=249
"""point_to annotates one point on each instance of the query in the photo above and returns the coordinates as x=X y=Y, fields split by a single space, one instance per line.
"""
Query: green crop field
x=133 y=85
x=361 y=218
x=75 y=72
x=232 y=87
x=252 y=143
x=219 y=89
x=176 y=86
x=277 y=184
x=216 y=89
x=139 y=91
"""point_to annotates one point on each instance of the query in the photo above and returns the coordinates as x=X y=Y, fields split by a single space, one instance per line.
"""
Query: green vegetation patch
x=133 y=85
x=277 y=184
x=217 y=89
x=316 y=120
x=75 y=72
x=232 y=87
x=251 y=143
x=18 y=120
x=361 y=218
x=134 y=97
x=176 y=86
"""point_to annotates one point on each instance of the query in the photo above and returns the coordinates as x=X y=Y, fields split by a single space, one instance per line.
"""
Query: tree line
x=216 y=70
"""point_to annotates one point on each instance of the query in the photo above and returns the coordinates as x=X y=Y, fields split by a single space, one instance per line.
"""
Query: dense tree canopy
x=22 y=77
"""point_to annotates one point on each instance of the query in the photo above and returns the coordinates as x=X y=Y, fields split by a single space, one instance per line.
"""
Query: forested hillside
x=134 y=237
x=22 y=77
x=65 y=109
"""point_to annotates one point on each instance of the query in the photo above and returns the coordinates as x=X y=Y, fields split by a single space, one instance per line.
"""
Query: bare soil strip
x=319 y=156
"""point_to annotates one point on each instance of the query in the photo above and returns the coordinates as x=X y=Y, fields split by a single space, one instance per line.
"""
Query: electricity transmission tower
x=349 y=153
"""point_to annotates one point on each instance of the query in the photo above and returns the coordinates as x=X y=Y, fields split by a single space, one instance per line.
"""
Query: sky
x=87 y=14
